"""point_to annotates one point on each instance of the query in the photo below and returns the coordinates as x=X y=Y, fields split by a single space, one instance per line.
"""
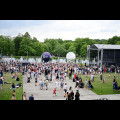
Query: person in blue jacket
x=1 y=83
x=31 y=97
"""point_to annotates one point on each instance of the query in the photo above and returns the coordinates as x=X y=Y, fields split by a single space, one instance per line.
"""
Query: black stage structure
x=105 y=54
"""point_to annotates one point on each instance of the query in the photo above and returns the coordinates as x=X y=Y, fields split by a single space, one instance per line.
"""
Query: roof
x=107 y=46
x=25 y=61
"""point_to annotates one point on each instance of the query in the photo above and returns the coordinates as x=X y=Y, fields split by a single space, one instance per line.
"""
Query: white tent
x=70 y=56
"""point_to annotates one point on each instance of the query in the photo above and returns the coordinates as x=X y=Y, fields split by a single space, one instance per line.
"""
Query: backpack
x=91 y=86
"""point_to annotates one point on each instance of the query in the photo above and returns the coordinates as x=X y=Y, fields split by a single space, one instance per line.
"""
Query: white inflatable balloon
x=70 y=56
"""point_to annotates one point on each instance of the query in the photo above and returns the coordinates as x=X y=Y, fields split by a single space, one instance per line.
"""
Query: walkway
x=85 y=94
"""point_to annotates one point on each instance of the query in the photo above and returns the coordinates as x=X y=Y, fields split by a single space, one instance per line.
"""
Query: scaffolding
x=106 y=54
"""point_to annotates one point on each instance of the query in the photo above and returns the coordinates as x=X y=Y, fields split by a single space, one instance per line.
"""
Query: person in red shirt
x=105 y=70
x=54 y=92
x=75 y=76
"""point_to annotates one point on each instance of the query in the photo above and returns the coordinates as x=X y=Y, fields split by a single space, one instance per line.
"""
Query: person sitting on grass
x=17 y=79
x=103 y=81
x=18 y=85
x=13 y=76
x=89 y=85
x=13 y=86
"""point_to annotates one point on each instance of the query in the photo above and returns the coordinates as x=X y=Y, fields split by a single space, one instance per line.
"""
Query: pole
x=101 y=57
x=98 y=57
x=27 y=55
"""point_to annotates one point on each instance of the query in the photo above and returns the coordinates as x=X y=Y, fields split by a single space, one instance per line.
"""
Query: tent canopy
x=25 y=62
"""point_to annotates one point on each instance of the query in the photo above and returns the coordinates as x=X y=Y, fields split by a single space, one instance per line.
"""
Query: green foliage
x=19 y=45
x=83 y=50
x=6 y=92
x=113 y=40
x=60 y=51
x=17 y=41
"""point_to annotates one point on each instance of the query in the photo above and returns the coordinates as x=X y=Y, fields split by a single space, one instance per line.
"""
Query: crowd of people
x=60 y=71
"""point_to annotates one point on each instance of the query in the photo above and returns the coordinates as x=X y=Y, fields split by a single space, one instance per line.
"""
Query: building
x=106 y=54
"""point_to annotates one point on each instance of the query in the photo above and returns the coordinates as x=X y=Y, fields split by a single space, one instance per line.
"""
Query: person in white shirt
x=65 y=89
x=92 y=77
x=56 y=84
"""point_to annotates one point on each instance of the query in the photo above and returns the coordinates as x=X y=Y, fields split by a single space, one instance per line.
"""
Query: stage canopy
x=25 y=62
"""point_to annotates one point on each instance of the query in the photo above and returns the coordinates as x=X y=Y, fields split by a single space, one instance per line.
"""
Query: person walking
x=72 y=95
x=77 y=95
x=54 y=92
x=65 y=89
x=46 y=83
x=35 y=79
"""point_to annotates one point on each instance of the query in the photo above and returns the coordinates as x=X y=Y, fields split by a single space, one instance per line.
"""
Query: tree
x=113 y=40
x=17 y=41
x=27 y=35
x=38 y=47
x=67 y=45
x=72 y=49
x=34 y=39
x=53 y=43
x=60 y=51
x=83 y=51
x=6 y=45
x=26 y=45
x=60 y=41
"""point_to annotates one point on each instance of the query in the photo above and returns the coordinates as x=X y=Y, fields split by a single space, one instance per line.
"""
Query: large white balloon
x=71 y=56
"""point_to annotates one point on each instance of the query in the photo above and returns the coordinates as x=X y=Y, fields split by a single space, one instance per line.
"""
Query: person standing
x=77 y=95
x=101 y=76
x=31 y=97
x=46 y=83
x=65 y=89
x=72 y=95
x=54 y=92
x=24 y=96
x=41 y=84
x=1 y=83
x=56 y=84
x=86 y=84
x=35 y=79
x=13 y=95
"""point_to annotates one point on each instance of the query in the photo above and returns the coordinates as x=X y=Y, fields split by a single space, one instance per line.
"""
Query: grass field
x=6 y=92
x=103 y=88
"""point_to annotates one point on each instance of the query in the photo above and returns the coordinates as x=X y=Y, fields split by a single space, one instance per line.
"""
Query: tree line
x=23 y=45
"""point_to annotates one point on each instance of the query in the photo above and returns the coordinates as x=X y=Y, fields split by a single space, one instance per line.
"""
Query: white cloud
x=68 y=29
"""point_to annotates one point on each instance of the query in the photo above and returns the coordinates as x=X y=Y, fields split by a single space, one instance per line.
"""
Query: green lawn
x=103 y=88
x=6 y=92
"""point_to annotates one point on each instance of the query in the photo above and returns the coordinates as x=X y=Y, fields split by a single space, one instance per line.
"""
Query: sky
x=64 y=29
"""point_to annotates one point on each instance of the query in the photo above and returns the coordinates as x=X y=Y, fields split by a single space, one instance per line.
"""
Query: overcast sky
x=64 y=29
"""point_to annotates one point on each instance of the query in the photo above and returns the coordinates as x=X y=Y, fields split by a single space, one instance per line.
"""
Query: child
x=54 y=92
x=103 y=80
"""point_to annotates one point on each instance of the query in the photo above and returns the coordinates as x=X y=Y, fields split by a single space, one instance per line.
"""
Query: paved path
x=85 y=94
